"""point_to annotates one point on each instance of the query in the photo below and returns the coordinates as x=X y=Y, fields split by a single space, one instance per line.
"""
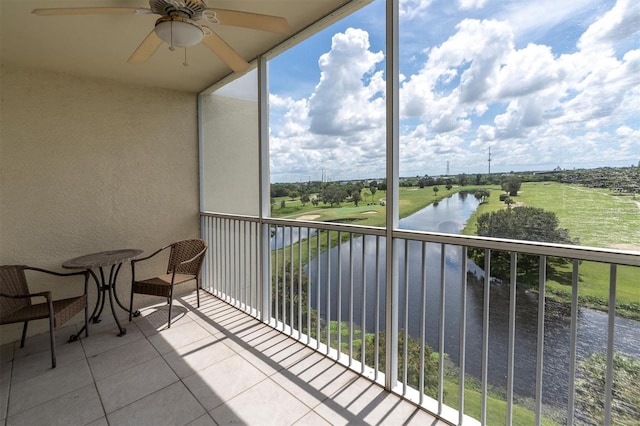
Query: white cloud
x=628 y=132
x=416 y=151
x=471 y=4
x=473 y=55
x=476 y=89
x=532 y=17
x=340 y=126
x=604 y=88
x=412 y=9
x=342 y=102
x=527 y=71
x=622 y=21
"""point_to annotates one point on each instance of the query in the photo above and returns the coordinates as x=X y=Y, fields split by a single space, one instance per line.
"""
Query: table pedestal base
x=103 y=287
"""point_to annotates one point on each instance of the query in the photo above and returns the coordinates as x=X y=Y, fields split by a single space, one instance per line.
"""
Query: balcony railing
x=437 y=329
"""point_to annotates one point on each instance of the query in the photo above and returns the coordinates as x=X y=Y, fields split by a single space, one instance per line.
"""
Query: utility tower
x=447 y=168
x=489 y=160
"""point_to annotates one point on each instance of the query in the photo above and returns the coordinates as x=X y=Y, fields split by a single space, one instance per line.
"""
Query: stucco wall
x=91 y=165
x=230 y=155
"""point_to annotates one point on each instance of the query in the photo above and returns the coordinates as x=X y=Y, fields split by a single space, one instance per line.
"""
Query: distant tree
x=462 y=179
x=436 y=189
x=333 y=194
x=492 y=179
x=523 y=223
x=520 y=223
x=305 y=199
x=352 y=186
x=449 y=185
x=293 y=195
x=356 y=197
x=279 y=189
x=508 y=201
x=422 y=182
x=478 y=179
x=482 y=195
x=512 y=185
x=373 y=188
x=283 y=204
x=284 y=294
x=414 y=360
x=315 y=201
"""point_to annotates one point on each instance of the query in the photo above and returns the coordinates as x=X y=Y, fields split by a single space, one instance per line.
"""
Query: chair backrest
x=185 y=250
x=13 y=282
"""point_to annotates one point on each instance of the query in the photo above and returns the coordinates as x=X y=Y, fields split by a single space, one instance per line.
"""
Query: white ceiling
x=99 y=45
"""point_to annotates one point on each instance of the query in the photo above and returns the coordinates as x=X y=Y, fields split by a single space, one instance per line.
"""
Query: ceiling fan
x=178 y=26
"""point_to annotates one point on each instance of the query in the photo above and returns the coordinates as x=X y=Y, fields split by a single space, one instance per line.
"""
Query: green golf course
x=596 y=217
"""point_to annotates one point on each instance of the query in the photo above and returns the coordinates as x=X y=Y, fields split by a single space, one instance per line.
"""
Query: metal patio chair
x=16 y=305
x=185 y=263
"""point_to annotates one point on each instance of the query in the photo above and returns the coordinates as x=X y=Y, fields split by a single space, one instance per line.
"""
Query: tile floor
x=215 y=365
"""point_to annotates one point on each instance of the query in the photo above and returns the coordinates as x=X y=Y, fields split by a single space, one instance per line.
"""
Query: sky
x=540 y=84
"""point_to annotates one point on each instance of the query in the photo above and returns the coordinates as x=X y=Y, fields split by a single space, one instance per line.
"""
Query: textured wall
x=230 y=155
x=90 y=165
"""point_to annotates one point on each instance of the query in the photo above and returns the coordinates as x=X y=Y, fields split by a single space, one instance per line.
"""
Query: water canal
x=450 y=216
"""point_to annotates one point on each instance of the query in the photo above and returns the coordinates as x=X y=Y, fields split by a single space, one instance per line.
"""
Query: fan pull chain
x=185 y=63
x=171 y=48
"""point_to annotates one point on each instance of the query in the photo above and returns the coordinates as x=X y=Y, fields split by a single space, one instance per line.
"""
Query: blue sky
x=542 y=84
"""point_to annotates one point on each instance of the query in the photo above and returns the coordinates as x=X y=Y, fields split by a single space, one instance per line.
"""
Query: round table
x=98 y=261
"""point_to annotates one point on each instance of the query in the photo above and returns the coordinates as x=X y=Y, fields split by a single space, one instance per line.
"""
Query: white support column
x=392 y=141
x=201 y=155
x=204 y=230
x=264 y=277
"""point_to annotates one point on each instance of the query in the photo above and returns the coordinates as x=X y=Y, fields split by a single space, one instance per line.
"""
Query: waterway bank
x=592 y=325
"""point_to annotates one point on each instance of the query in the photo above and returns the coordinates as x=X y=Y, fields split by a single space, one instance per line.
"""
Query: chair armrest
x=140 y=259
x=45 y=294
x=61 y=274
x=194 y=257
x=134 y=261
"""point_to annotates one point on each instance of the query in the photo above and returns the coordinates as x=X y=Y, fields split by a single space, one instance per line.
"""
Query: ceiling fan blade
x=147 y=48
x=91 y=11
x=225 y=52
x=274 y=24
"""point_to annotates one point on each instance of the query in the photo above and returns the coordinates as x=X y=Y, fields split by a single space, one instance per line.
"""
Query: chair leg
x=24 y=333
x=52 y=337
x=131 y=303
x=198 y=292
x=170 y=305
x=86 y=317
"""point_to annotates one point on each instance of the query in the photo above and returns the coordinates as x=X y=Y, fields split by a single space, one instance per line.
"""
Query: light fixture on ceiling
x=178 y=31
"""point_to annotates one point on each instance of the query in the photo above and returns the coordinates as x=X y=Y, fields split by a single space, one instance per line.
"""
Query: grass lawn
x=369 y=211
x=599 y=218
x=496 y=407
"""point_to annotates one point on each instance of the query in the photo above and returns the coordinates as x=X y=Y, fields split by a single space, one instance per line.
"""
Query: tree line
x=621 y=179
x=332 y=193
